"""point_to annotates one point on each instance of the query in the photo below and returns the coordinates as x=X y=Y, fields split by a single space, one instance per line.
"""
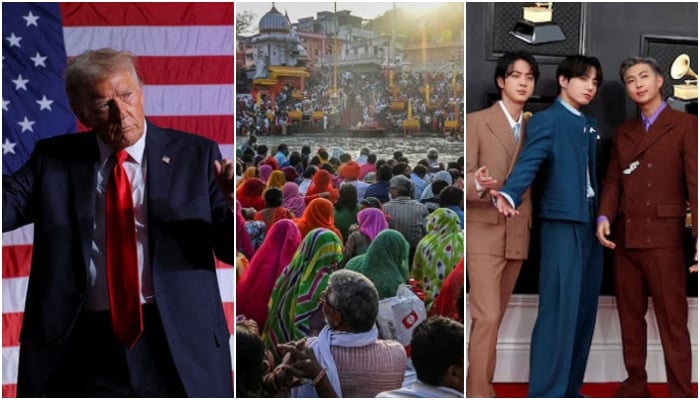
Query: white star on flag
x=31 y=19
x=5 y=103
x=38 y=60
x=8 y=147
x=14 y=40
x=26 y=124
x=44 y=103
x=20 y=83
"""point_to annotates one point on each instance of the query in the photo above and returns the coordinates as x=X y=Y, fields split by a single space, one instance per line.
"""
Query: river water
x=414 y=148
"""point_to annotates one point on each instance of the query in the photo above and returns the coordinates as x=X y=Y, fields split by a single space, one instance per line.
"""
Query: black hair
x=309 y=172
x=294 y=158
x=436 y=344
x=420 y=170
x=437 y=186
x=336 y=162
x=384 y=173
x=345 y=157
x=328 y=167
x=504 y=66
x=250 y=352
x=372 y=158
x=273 y=197
x=347 y=198
x=451 y=196
x=399 y=169
x=578 y=66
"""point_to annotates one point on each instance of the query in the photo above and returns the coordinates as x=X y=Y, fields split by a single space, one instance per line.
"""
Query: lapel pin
x=165 y=159
x=633 y=165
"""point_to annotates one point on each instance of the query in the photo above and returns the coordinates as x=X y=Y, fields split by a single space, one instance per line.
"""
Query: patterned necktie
x=121 y=256
x=516 y=132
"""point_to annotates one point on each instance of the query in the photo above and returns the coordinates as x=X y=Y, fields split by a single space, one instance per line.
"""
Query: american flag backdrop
x=185 y=55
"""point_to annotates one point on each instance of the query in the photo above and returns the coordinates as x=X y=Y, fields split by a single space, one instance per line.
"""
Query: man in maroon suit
x=651 y=177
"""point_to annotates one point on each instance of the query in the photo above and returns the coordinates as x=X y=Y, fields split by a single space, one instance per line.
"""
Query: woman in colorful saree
x=371 y=222
x=277 y=179
x=292 y=200
x=438 y=252
x=250 y=194
x=250 y=172
x=318 y=214
x=295 y=309
x=322 y=182
x=253 y=290
x=385 y=263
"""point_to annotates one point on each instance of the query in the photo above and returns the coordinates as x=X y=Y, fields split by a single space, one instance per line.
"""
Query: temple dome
x=273 y=21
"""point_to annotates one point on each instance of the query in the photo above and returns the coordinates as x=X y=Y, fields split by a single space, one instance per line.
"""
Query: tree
x=244 y=21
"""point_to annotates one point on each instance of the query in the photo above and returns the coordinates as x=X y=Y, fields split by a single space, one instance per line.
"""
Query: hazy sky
x=297 y=10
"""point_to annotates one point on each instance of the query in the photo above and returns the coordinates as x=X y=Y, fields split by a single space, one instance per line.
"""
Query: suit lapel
x=498 y=125
x=646 y=139
x=159 y=174
x=83 y=184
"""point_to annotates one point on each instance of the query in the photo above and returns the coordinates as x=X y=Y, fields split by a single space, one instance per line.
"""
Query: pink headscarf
x=243 y=243
x=292 y=200
x=265 y=170
x=372 y=221
x=276 y=252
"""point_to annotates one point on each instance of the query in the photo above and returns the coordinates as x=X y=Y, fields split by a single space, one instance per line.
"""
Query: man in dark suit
x=653 y=173
x=560 y=144
x=126 y=214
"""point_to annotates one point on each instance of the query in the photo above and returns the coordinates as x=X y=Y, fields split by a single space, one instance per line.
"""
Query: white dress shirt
x=135 y=168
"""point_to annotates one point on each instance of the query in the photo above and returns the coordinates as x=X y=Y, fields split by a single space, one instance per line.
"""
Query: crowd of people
x=366 y=97
x=321 y=243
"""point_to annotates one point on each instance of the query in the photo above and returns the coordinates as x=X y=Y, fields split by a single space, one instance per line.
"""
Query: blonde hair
x=93 y=66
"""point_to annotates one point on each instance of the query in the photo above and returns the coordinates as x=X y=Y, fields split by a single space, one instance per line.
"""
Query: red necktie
x=121 y=257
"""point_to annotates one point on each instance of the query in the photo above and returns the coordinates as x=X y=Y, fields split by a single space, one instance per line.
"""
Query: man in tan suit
x=651 y=177
x=496 y=245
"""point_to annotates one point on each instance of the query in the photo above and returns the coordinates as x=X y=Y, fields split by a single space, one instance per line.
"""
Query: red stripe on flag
x=9 y=390
x=186 y=70
x=230 y=319
x=16 y=261
x=222 y=265
x=11 y=326
x=218 y=128
x=146 y=14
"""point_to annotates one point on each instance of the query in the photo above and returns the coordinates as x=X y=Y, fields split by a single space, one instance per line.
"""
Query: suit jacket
x=490 y=142
x=647 y=204
x=559 y=146
x=187 y=218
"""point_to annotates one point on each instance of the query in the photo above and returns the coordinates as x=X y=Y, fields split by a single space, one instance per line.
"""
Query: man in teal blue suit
x=560 y=145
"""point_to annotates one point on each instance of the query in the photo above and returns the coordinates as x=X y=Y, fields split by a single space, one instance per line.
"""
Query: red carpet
x=599 y=390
